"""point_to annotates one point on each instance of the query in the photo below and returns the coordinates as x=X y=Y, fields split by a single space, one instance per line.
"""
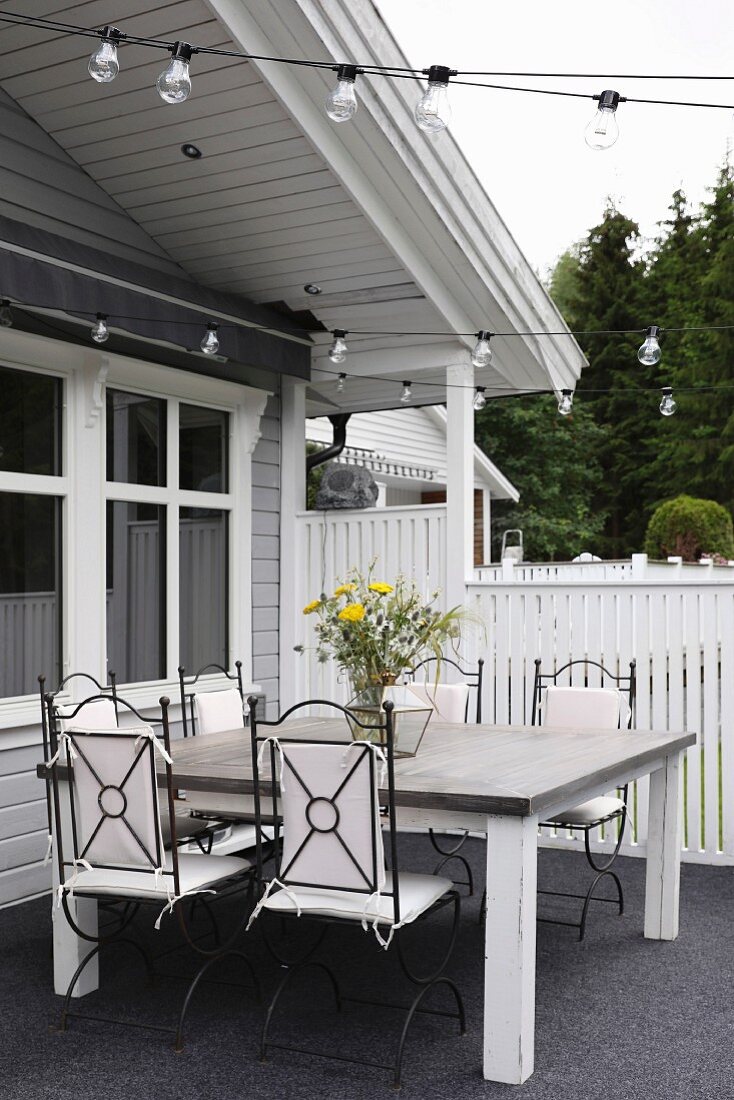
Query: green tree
x=689 y=527
x=550 y=460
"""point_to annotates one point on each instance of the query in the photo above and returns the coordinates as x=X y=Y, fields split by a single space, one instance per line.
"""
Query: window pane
x=203 y=587
x=203 y=437
x=30 y=594
x=136 y=438
x=30 y=422
x=136 y=555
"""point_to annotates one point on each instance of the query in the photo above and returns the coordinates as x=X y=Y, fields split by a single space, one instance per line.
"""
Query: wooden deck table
x=500 y=781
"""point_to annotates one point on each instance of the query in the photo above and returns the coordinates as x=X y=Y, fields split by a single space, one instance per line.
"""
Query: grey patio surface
x=616 y=1015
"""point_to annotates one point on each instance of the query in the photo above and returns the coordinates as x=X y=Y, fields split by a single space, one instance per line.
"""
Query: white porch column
x=459 y=481
x=292 y=501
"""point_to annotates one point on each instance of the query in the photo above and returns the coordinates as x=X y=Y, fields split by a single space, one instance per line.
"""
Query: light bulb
x=341 y=102
x=407 y=392
x=338 y=350
x=603 y=130
x=667 y=405
x=100 y=332
x=433 y=110
x=649 y=352
x=565 y=404
x=479 y=399
x=482 y=354
x=6 y=314
x=210 y=344
x=174 y=83
x=103 y=64
x=340 y=383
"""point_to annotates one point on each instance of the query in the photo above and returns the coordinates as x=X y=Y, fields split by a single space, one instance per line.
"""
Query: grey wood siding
x=266 y=554
x=23 y=825
x=41 y=185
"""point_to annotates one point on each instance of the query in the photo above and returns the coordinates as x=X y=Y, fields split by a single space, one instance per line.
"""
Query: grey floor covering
x=617 y=1016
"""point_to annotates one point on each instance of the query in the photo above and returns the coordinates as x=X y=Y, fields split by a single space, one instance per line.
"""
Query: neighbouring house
x=149 y=493
x=405 y=451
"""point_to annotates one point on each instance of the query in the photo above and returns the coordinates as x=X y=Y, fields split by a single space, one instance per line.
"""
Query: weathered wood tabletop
x=518 y=770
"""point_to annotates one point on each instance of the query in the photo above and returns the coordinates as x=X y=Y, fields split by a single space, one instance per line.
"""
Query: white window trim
x=83 y=489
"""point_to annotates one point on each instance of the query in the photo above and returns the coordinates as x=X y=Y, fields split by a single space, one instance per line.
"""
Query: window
x=30 y=530
x=136 y=555
x=203 y=436
x=136 y=438
x=203 y=575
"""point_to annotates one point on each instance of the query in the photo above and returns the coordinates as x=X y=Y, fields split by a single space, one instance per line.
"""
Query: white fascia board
x=396 y=176
x=486 y=472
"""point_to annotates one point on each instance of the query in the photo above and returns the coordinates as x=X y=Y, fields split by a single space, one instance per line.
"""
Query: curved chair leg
x=433 y=976
x=199 y=899
x=446 y=851
x=88 y=958
x=281 y=959
x=589 y=898
x=465 y=864
x=287 y=978
x=460 y=1015
x=178 y=1045
x=590 y=855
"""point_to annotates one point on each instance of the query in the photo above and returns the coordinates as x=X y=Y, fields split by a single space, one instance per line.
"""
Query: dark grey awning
x=42 y=270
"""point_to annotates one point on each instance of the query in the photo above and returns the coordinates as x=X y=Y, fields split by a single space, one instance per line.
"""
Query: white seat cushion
x=582 y=708
x=196 y=872
x=448 y=700
x=417 y=893
x=218 y=710
x=98 y=715
x=589 y=812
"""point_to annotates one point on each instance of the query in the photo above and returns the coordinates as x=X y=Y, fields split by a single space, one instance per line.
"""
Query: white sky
x=529 y=151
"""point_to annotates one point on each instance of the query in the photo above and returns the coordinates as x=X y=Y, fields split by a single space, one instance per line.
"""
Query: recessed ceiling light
x=311 y=288
x=193 y=152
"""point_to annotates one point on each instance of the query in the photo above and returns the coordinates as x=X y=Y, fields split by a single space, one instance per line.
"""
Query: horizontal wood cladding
x=266 y=554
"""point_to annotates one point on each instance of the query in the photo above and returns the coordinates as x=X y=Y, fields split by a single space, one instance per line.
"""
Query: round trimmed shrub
x=689 y=527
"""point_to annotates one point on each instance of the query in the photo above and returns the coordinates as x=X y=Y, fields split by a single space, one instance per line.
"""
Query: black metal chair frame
x=269 y=790
x=188 y=716
x=602 y=867
x=473 y=679
x=145 y=756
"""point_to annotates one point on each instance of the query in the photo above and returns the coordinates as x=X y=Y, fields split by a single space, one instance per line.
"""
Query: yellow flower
x=380 y=587
x=343 y=589
x=352 y=613
x=311 y=606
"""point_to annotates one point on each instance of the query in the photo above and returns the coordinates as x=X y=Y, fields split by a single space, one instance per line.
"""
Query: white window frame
x=84 y=491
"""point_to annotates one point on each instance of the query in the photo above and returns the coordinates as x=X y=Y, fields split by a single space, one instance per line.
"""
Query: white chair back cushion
x=448 y=700
x=97 y=715
x=331 y=817
x=218 y=710
x=583 y=707
x=115 y=797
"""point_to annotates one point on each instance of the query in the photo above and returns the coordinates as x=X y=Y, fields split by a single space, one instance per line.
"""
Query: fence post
x=508 y=570
x=639 y=567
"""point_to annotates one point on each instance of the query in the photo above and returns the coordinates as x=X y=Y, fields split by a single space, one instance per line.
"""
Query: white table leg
x=509 y=967
x=69 y=949
x=664 y=836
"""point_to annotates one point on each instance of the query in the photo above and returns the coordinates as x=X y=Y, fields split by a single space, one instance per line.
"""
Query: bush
x=689 y=527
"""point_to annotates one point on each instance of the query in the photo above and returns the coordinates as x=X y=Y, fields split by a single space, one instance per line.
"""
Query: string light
x=482 y=353
x=603 y=130
x=100 y=332
x=6 y=313
x=667 y=404
x=479 y=399
x=341 y=102
x=103 y=64
x=433 y=110
x=565 y=404
x=338 y=350
x=210 y=342
x=407 y=392
x=340 y=382
x=649 y=352
x=174 y=83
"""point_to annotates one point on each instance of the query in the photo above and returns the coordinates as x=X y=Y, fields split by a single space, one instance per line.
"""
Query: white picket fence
x=676 y=621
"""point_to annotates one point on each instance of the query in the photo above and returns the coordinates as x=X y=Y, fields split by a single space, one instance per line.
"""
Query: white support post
x=487 y=527
x=68 y=948
x=292 y=501
x=664 y=837
x=459 y=482
x=639 y=567
x=509 y=954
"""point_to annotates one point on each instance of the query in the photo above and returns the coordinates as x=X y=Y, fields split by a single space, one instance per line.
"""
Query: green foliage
x=313 y=479
x=550 y=460
x=690 y=527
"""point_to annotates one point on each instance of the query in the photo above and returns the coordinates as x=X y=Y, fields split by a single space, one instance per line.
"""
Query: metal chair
x=110 y=844
x=205 y=712
x=588 y=696
x=331 y=869
x=451 y=703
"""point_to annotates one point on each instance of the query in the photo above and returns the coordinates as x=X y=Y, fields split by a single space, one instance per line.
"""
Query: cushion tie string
x=273 y=741
x=148 y=735
x=173 y=899
x=374 y=924
x=288 y=893
x=72 y=881
x=378 y=752
x=49 y=849
x=64 y=740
